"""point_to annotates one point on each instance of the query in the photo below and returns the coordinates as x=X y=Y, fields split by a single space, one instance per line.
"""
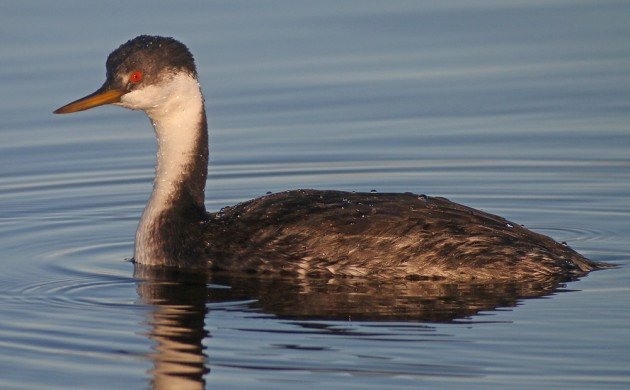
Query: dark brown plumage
x=333 y=233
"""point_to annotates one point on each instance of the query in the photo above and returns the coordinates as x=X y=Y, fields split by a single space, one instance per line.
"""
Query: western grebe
x=301 y=232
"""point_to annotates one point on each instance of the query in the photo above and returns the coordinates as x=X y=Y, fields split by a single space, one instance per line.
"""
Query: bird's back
x=335 y=233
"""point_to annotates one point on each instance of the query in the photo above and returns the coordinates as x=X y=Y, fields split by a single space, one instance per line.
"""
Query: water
x=519 y=108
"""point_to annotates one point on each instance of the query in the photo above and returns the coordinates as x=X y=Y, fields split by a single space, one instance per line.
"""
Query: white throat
x=176 y=110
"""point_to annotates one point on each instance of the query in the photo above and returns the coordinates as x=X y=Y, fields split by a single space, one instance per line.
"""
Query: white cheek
x=166 y=101
x=143 y=99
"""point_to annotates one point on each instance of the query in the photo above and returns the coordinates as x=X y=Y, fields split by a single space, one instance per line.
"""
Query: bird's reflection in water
x=180 y=305
x=177 y=326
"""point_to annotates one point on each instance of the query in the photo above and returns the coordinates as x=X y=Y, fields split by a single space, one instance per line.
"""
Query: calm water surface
x=520 y=108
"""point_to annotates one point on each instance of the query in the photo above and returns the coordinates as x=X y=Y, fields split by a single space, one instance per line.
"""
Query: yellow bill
x=95 y=99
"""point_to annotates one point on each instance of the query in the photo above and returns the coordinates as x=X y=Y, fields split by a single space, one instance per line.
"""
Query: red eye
x=135 y=77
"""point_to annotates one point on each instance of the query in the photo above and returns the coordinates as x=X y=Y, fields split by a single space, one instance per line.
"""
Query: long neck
x=169 y=232
x=182 y=157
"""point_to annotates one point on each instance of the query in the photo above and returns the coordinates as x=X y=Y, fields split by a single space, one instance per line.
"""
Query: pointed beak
x=98 y=98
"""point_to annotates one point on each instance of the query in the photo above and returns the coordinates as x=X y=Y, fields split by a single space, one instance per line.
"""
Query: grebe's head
x=142 y=74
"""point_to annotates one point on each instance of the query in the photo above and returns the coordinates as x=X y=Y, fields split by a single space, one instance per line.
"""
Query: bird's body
x=335 y=233
x=303 y=232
